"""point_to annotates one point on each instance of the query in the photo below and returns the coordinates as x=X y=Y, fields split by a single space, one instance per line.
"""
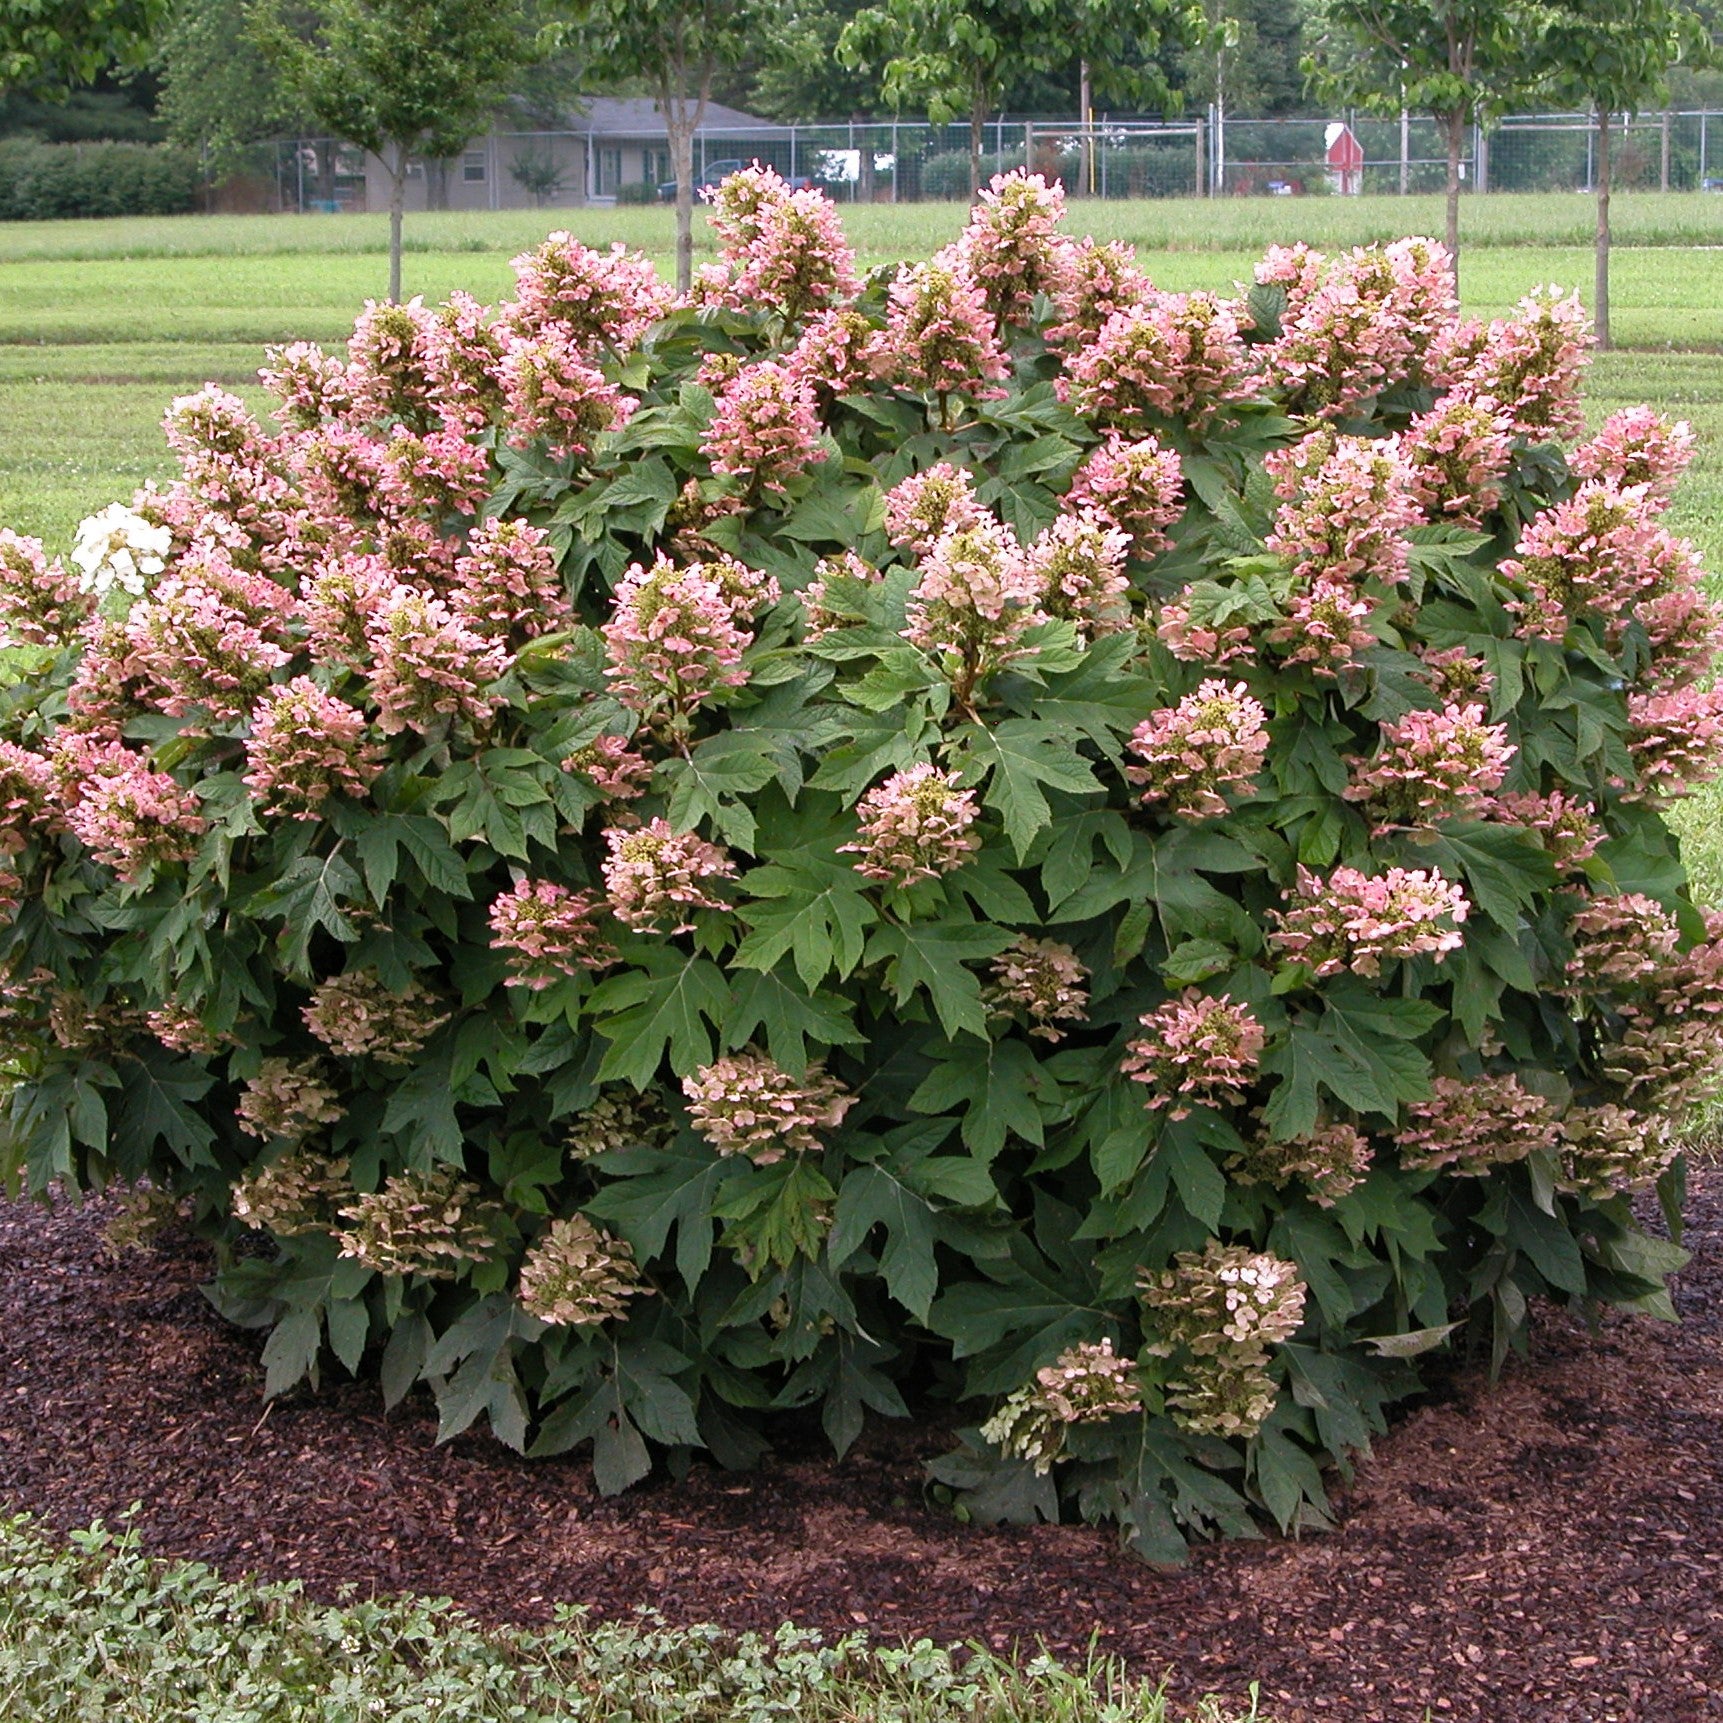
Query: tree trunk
x=1600 y=293
x=397 y=203
x=682 y=115
x=977 y=117
x=1454 y=125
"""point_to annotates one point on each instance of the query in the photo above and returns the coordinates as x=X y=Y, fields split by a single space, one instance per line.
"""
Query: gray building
x=611 y=145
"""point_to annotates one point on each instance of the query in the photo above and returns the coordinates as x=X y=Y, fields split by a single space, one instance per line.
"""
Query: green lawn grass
x=95 y=1632
x=894 y=230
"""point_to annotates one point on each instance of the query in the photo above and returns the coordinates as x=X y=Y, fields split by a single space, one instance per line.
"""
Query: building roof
x=638 y=117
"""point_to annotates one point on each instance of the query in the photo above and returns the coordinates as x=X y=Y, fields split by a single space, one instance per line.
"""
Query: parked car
x=713 y=172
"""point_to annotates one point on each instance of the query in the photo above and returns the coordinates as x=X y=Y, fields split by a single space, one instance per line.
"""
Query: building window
x=473 y=167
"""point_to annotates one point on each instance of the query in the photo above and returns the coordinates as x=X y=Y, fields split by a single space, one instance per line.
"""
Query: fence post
x=1704 y=116
x=1028 y=146
x=1481 y=178
x=1405 y=151
x=1663 y=164
x=1197 y=129
x=894 y=161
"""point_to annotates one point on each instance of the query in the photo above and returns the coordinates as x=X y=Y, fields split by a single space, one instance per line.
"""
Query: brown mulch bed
x=1550 y=1548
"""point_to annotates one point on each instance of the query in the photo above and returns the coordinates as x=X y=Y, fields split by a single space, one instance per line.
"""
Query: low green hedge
x=52 y=182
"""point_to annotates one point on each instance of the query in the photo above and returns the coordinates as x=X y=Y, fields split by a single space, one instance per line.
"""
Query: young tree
x=958 y=56
x=678 y=47
x=220 y=93
x=1459 y=61
x=400 y=78
x=48 y=47
x=1615 y=56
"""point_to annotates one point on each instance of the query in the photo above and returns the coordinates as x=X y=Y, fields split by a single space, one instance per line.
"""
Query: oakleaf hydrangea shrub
x=983 y=837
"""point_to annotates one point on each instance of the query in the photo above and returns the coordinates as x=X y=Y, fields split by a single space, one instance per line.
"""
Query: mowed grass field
x=103 y=322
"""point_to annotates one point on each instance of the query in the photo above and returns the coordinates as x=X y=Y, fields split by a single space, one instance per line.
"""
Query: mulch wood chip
x=1547 y=1548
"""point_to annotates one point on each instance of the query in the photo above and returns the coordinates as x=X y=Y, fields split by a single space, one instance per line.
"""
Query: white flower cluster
x=118 y=548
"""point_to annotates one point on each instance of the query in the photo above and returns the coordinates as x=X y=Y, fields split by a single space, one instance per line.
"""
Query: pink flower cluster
x=915 y=826
x=341 y=596
x=1432 y=766
x=1353 y=921
x=1566 y=825
x=1620 y=944
x=1325 y=626
x=1329 y=1162
x=41 y=604
x=922 y=509
x=427 y=666
x=1079 y=563
x=617 y=772
x=834 y=355
x=1600 y=553
x=1137 y=486
x=1181 y=355
x=305 y=746
x=437 y=474
x=207 y=638
x=1212 y=741
x=1637 y=446
x=1610 y=1150
x=549 y=933
x=1196 y=1052
x=308 y=384
x=552 y=391
x=1676 y=741
x=27 y=798
x=1531 y=365
x=1456 y=456
x=1357 y=325
x=977 y=597
x=939 y=337
x=1045 y=980
x=592 y=299
x=1011 y=247
x=1471 y=1124
x=791 y=256
x=655 y=875
x=506 y=585
x=1095 y=281
x=385 y=374
x=745 y=1104
x=676 y=636
x=765 y=427
x=129 y=817
x=1346 y=507
x=463 y=356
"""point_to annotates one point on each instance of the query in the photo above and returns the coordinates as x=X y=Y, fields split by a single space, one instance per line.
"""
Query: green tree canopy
x=48 y=47
x=1459 y=61
x=677 y=47
x=958 y=57
x=1615 y=56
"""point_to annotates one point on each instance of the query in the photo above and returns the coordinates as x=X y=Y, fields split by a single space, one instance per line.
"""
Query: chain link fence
x=886 y=161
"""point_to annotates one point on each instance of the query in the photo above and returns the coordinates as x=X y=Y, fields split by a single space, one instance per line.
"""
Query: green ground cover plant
x=94 y=1631
x=987 y=836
